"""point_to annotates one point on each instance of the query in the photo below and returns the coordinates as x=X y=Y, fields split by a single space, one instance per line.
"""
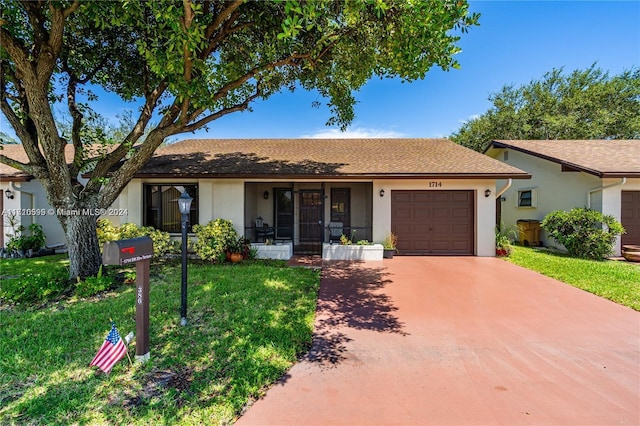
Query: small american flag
x=111 y=351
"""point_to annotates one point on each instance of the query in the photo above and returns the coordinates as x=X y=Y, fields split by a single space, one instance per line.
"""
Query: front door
x=310 y=223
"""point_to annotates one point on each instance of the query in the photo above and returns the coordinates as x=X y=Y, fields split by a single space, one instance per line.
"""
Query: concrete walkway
x=455 y=341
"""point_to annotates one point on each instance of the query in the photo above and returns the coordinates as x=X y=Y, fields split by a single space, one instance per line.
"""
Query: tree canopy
x=584 y=104
x=187 y=63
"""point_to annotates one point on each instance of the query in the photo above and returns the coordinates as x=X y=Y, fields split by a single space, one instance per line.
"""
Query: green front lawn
x=35 y=265
x=618 y=281
x=247 y=325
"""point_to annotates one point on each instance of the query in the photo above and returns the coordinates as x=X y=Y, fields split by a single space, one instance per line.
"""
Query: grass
x=35 y=265
x=247 y=325
x=617 y=281
x=28 y=281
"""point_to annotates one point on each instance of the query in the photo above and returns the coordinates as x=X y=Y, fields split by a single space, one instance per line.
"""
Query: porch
x=307 y=214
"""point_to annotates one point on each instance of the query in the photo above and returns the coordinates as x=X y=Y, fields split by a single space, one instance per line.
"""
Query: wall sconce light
x=8 y=193
x=266 y=195
x=487 y=193
x=382 y=192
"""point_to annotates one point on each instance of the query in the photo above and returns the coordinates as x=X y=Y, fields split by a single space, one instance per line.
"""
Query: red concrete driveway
x=454 y=341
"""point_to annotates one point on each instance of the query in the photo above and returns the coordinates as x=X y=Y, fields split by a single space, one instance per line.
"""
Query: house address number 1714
x=435 y=184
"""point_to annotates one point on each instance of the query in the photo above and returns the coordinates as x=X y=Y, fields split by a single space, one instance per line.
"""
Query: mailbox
x=123 y=252
x=139 y=251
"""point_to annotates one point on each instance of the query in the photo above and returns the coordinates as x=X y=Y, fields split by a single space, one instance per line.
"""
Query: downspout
x=602 y=188
x=504 y=189
x=499 y=202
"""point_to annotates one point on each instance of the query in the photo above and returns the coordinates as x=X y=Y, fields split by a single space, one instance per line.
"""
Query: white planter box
x=351 y=252
x=282 y=251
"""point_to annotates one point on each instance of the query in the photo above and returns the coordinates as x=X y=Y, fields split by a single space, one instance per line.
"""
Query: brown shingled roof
x=602 y=158
x=15 y=152
x=325 y=158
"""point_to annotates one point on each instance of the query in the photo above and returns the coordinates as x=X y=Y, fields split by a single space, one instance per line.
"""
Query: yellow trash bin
x=529 y=232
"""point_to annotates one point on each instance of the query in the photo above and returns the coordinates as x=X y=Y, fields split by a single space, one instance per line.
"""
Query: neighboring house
x=600 y=174
x=23 y=200
x=437 y=196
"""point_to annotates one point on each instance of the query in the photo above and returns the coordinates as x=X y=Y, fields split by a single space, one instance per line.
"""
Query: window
x=161 y=206
x=284 y=212
x=527 y=198
x=341 y=206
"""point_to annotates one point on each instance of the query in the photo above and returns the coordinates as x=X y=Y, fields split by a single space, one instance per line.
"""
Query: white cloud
x=354 y=133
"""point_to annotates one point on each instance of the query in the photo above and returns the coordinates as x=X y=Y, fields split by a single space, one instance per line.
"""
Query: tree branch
x=89 y=75
x=36 y=19
x=188 y=63
x=29 y=140
x=123 y=175
x=291 y=60
x=72 y=8
x=104 y=166
x=239 y=107
x=76 y=126
x=222 y=16
x=225 y=31
x=24 y=167
x=18 y=52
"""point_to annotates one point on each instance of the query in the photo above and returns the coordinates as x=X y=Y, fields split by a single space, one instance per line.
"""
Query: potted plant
x=389 y=245
x=35 y=241
x=239 y=249
x=504 y=239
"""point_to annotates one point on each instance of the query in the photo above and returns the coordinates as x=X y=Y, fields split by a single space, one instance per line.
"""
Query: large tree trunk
x=82 y=242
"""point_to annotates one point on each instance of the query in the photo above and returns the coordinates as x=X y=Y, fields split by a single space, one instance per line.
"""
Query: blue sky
x=515 y=43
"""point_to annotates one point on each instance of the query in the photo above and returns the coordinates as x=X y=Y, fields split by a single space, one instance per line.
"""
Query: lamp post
x=184 y=204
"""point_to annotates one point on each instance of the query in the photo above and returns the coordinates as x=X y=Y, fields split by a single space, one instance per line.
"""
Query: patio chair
x=335 y=231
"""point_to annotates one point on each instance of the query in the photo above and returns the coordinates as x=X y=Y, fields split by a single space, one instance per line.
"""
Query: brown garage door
x=433 y=222
x=630 y=217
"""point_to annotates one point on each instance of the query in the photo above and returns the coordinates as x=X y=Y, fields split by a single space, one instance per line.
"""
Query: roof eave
x=15 y=178
x=620 y=175
x=335 y=177
x=564 y=164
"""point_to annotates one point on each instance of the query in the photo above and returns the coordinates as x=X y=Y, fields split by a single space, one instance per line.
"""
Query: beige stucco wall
x=30 y=197
x=484 y=213
x=226 y=199
x=557 y=190
x=218 y=198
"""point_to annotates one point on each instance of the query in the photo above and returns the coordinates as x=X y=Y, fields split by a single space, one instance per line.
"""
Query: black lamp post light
x=184 y=204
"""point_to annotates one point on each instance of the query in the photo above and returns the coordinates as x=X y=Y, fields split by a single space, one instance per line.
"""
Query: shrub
x=94 y=285
x=162 y=242
x=585 y=233
x=106 y=231
x=214 y=239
